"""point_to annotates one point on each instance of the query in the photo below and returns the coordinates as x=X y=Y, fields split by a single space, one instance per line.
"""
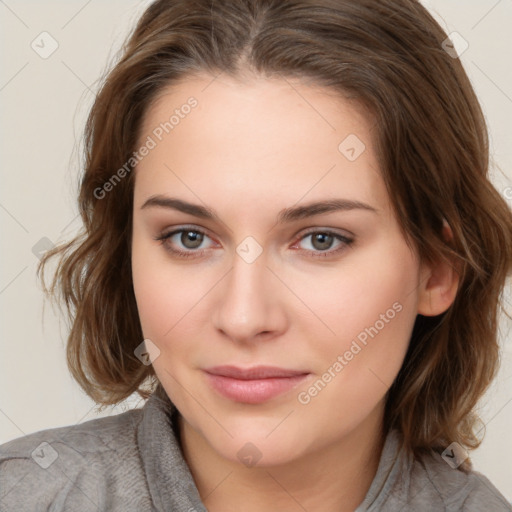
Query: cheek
x=158 y=292
x=373 y=321
x=170 y=297
x=371 y=310
x=370 y=293
x=373 y=325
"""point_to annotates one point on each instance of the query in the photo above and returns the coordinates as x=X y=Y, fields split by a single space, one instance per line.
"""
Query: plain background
x=43 y=106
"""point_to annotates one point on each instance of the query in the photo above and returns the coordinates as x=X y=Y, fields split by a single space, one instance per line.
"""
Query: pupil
x=193 y=236
x=324 y=239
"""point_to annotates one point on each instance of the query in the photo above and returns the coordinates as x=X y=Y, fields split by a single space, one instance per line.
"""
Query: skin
x=248 y=150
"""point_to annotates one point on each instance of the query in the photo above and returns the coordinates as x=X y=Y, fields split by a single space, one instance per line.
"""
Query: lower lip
x=253 y=391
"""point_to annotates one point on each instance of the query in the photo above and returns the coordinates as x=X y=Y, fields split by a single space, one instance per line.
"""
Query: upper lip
x=254 y=372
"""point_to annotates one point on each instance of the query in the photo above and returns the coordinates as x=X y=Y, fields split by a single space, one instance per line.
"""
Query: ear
x=439 y=283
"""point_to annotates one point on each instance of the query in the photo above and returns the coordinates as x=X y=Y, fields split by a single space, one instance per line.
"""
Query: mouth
x=253 y=385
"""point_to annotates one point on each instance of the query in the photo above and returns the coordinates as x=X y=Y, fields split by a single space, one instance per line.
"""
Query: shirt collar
x=170 y=482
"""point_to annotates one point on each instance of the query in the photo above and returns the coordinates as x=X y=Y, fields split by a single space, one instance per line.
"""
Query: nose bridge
x=249 y=303
x=247 y=288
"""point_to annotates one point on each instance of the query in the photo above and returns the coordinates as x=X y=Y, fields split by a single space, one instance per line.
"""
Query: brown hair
x=432 y=146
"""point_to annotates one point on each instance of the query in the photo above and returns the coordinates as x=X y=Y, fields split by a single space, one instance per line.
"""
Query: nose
x=249 y=304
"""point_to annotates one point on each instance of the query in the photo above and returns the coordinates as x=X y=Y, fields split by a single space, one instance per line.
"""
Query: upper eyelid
x=304 y=231
x=179 y=229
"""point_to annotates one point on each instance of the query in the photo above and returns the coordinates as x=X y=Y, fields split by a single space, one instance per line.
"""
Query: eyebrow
x=291 y=214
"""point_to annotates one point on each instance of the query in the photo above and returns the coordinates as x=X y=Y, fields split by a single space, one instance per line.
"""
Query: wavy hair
x=432 y=146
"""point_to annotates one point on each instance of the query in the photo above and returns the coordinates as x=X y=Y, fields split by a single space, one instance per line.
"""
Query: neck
x=336 y=477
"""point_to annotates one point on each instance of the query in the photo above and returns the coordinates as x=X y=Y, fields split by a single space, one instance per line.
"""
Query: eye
x=184 y=242
x=321 y=243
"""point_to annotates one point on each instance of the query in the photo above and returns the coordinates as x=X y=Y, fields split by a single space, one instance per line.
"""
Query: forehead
x=259 y=105
x=279 y=137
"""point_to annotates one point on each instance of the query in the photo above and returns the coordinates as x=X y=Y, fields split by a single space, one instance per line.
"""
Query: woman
x=291 y=246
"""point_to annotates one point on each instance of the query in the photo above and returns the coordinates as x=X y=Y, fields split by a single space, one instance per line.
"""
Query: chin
x=261 y=445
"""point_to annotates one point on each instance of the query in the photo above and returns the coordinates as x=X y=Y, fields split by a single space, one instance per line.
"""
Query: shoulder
x=428 y=482
x=457 y=489
x=69 y=463
x=94 y=435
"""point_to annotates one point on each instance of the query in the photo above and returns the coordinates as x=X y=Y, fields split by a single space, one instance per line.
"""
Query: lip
x=253 y=385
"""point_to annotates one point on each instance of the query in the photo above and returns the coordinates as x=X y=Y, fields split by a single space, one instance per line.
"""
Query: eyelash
x=163 y=237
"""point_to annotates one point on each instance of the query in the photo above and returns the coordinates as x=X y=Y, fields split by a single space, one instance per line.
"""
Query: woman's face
x=289 y=257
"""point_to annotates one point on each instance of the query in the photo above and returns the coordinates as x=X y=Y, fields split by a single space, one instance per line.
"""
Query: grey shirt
x=133 y=462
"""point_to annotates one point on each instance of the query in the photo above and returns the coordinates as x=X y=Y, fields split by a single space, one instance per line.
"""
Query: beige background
x=43 y=104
